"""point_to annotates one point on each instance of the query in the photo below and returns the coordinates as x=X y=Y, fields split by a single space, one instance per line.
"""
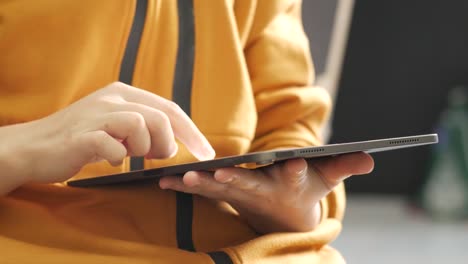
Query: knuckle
x=110 y=103
x=163 y=119
x=98 y=138
x=209 y=187
x=95 y=141
x=159 y=120
x=135 y=120
x=116 y=88
x=162 y=137
x=253 y=186
x=111 y=93
x=173 y=108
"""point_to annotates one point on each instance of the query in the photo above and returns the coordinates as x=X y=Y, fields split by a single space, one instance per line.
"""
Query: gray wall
x=317 y=17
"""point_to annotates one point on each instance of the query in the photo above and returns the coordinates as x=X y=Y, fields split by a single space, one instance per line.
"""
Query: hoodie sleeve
x=291 y=113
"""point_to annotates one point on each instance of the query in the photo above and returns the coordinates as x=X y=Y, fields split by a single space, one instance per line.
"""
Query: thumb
x=336 y=169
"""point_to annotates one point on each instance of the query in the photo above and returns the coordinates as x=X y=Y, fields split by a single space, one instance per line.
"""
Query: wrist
x=14 y=168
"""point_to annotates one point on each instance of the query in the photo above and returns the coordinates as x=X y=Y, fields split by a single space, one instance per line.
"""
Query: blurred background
x=398 y=68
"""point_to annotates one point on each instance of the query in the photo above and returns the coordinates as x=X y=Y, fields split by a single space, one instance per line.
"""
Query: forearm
x=12 y=171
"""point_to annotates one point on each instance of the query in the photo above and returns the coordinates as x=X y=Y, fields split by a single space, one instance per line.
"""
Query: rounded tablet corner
x=75 y=184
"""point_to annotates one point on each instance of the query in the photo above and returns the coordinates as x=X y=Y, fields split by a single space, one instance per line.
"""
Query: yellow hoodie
x=240 y=68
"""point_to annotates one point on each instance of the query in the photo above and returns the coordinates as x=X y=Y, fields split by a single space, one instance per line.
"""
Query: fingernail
x=163 y=185
x=206 y=153
x=223 y=178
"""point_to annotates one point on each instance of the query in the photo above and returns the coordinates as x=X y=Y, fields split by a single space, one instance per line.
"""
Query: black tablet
x=263 y=158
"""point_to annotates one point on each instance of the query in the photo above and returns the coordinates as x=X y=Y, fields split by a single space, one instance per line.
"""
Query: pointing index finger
x=184 y=128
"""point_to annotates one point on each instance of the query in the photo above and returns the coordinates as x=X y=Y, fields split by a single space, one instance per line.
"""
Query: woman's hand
x=110 y=124
x=277 y=198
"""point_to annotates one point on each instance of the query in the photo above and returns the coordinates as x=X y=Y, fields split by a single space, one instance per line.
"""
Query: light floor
x=383 y=230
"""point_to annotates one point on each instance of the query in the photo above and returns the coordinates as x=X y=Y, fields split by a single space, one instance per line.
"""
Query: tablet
x=264 y=158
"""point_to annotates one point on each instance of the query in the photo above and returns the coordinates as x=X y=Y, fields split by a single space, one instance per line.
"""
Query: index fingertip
x=205 y=153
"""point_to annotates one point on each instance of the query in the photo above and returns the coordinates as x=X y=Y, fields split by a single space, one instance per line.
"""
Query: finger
x=184 y=128
x=294 y=173
x=163 y=144
x=129 y=127
x=204 y=183
x=336 y=169
x=253 y=181
x=201 y=183
x=100 y=145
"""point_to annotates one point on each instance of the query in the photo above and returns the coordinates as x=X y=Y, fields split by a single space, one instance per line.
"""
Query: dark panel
x=402 y=58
